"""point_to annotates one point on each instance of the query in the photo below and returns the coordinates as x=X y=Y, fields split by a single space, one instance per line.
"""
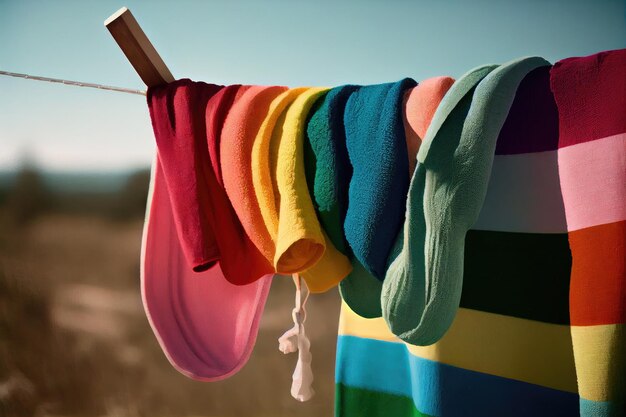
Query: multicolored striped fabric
x=509 y=350
x=591 y=96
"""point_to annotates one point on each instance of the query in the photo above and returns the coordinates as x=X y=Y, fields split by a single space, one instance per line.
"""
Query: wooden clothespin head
x=138 y=48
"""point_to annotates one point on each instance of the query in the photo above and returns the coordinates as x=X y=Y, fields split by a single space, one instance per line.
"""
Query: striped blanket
x=591 y=96
x=523 y=342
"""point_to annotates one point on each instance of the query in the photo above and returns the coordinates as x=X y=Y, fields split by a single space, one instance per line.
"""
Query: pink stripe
x=593 y=182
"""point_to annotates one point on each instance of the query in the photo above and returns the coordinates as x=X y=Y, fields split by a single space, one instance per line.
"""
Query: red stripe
x=590 y=93
x=598 y=281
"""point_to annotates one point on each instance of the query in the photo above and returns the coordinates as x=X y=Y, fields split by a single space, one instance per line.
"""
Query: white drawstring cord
x=295 y=339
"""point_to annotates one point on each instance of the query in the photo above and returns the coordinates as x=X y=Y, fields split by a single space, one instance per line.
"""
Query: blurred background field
x=74 y=340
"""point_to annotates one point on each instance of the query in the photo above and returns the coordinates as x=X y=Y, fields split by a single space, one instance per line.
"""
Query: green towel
x=422 y=288
x=327 y=164
x=329 y=171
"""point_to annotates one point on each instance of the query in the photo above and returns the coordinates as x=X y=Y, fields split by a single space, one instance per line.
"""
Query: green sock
x=422 y=289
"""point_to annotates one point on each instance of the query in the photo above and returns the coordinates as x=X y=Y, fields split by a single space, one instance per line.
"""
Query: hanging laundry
x=379 y=184
x=217 y=111
x=240 y=130
x=517 y=259
x=327 y=163
x=252 y=180
x=205 y=325
x=508 y=351
x=264 y=162
x=178 y=300
x=184 y=162
x=422 y=290
x=590 y=94
x=328 y=174
x=360 y=290
x=299 y=227
x=180 y=114
x=406 y=287
x=282 y=194
x=419 y=107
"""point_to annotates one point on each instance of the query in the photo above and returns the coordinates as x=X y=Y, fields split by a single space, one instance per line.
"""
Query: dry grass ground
x=74 y=340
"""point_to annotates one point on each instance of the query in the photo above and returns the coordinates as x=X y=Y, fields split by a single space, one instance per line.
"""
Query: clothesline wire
x=73 y=83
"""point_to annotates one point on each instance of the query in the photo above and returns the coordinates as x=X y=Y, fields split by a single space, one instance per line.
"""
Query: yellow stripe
x=509 y=347
x=600 y=353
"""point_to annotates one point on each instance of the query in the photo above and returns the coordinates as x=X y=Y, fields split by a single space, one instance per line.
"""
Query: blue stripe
x=590 y=408
x=442 y=390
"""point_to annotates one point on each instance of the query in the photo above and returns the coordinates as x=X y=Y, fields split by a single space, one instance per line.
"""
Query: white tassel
x=296 y=339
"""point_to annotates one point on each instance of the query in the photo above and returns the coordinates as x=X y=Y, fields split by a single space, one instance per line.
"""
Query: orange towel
x=420 y=104
x=263 y=164
x=238 y=134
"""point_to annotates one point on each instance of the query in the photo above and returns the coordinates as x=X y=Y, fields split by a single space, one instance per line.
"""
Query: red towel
x=187 y=118
x=180 y=138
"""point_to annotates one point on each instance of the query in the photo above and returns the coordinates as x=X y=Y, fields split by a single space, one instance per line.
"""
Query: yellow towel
x=264 y=158
x=280 y=186
x=302 y=244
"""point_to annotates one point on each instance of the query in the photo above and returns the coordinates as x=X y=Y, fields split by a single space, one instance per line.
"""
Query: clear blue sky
x=269 y=42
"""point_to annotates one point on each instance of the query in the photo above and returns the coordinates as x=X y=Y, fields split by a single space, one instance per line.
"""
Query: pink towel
x=205 y=325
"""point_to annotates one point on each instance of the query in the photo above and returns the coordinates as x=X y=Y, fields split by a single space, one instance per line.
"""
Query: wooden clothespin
x=138 y=48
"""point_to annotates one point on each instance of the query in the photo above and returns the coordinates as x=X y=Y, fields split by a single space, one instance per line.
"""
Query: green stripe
x=357 y=402
x=523 y=275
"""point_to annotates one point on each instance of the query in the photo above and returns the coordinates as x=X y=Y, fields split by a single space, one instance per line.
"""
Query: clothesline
x=73 y=83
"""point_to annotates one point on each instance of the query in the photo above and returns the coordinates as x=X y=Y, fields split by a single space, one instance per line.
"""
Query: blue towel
x=377 y=149
x=329 y=171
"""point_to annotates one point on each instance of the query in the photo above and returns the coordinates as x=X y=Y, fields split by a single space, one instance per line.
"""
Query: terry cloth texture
x=240 y=130
x=282 y=125
x=509 y=349
x=187 y=122
x=590 y=94
x=300 y=237
x=329 y=172
x=186 y=164
x=422 y=290
x=217 y=110
x=377 y=194
x=360 y=290
x=264 y=162
x=327 y=163
x=205 y=325
x=299 y=241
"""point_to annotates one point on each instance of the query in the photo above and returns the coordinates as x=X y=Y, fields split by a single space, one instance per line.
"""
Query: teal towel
x=329 y=171
x=327 y=164
x=376 y=145
x=422 y=289
x=360 y=290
